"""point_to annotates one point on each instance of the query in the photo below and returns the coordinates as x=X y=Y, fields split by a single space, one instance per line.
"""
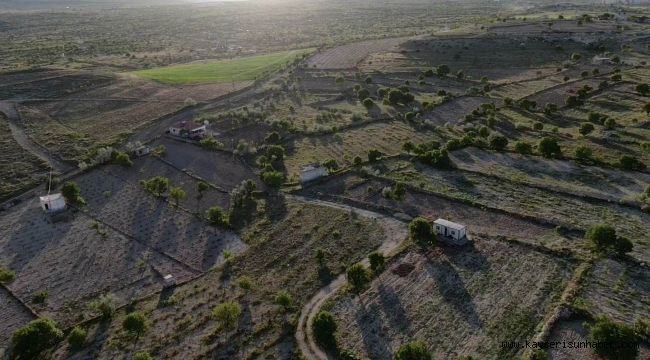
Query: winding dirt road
x=396 y=233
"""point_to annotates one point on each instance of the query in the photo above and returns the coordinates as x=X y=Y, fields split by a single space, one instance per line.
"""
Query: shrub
x=583 y=153
x=538 y=126
x=217 y=217
x=7 y=275
x=159 y=151
x=549 y=147
x=363 y=94
x=37 y=336
x=395 y=96
x=275 y=152
x=324 y=326
x=245 y=283
x=376 y=260
x=142 y=355
x=586 y=128
x=572 y=101
x=135 y=323
x=368 y=103
x=610 y=124
x=105 y=305
x=177 y=194
x=436 y=158
x=409 y=147
x=643 y=89
x=72 y=193
x=421 y=230
x=284 y=299
x=272 y=138
x=415 y=350
x=331 y=165
x=523 y=147
x=604 y=239
x=227 y=315
x=609 y=332
x=156 y=185
x=442 y=70
x=273 y=178
x=628 y=162
x=357 y=276
x=122 y=158
x=40 y=297
x=77 y=338
x=374 y=155
x=399 y=191
x=498 y=142
x=210 y=143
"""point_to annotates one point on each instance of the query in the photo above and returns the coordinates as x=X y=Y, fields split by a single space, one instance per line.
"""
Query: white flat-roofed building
x=450 y=229
x=52 y=203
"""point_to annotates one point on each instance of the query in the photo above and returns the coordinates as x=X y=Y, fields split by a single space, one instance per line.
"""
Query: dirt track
x=396 y=234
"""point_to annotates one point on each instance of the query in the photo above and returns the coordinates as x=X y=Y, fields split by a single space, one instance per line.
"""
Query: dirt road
x=396 y=233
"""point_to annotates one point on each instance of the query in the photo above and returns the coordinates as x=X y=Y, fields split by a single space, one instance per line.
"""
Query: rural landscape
x=302 y=179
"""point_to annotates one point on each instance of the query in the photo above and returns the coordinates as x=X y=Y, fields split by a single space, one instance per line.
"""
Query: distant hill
x=64 y=4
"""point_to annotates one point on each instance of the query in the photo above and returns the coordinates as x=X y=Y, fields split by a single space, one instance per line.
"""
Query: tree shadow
x=371 y=326
x=395 y=312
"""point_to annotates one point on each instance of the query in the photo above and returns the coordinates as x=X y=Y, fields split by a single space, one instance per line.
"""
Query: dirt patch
x=454 y=111
x=13 y=316
x=348 y=56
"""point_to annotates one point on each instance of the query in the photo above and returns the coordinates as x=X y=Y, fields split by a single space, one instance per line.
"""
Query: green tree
x=363 y=94
x=646 y=108
x=357 y=276
x=272 y=138
x=227 y=315
x=629 y=162
x=408 y=146
x=576 y=57
x=368 y=103
x=202 y=187
x=415 y=350
x=523 y=147
x=643 y=89
x=142 y=355
x=273 y=178
x=156 y=185
x=586 y=128
x=498 y=142
x=284 y=299
x=421 y=230
x=376 y=260
x=399 y=190
x=442 y=70
x=135 y=324
x=106 y=305
x=177 y=194
x=122 y=158
x=374 y=155
x=603 y=238
x=622 y=336
x=217 y=217
x=549 y=147
x=6 y=275
x=77 y=338
x=583 y=153
x=395 y=96
x=324 y=326
x=331 y=165
x=72 y=193
x=37 y=336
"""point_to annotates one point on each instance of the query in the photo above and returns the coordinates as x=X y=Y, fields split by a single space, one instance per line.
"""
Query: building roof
x=449 y=224
x=51 y=197
x=187 y=125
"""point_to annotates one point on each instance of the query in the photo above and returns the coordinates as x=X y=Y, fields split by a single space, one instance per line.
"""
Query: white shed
x=450 y=229
x=52 y=203
x=311 y=172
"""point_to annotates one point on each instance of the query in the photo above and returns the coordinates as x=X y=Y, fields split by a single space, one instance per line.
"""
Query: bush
x=122 y=158
x=442 y=70
x=604 y=239
x=7 y=275
x=77 y=338
x=628 y=162
x=217 y=217
x=177 y=194
x=622 y=336
x=357 y=276
x=37 y=336
x=643 y=89
x=586 y=129
x=421 y=230
x=399 y=191
x=40 y=297
x=376 y=260
x=142 y=355
x=72 y=193
x=210 y=143
x=436 y=158
x=523 y=147
x=156 y=185
x=284 y=299
x=273 y=178
x=324 y=326
x=549 y=147
x=227 y=315
x=415 y=350
x=498 y=142
x=374 y=155
x=583 y=153
x=135 y=323
x=331 y=165
x=105 y=305
x=368 y=103
x=572 y=101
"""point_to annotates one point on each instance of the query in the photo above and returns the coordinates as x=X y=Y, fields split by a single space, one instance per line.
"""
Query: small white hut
x=52 y=203
x=450 y=229
x=311 y=172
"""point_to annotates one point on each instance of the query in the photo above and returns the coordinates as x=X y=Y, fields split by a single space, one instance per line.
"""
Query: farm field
x=462 y=301
x=220 y=71
x=349 y=56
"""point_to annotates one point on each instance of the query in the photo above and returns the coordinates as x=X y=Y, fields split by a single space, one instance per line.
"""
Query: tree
x=363 y=94
x=77 y=338
x=643 y=89
x=273 y=178
x=625 y=341
x=245 y=283
x=177 y=194
x=549 y=147
x=275 y=152
x=646 y=108
x=357 y=276
x=395 y=96
x=583 y=153
x=368 y=103
x=576 y=57
x=374 y=155
x=210 y=143
x=227 y=315
x=156 y=185
x=628 y=162
x=586 y=128
x=35 y=337
x=357 y=161
x=408 y=146
x=217 y=217
x=421 y=230
x=442 y=70
x=105 y=305
x=202 y=187
x=436 y=158
x=604 y=239
x=242 y=201
x=135 y=324
x=72 y=193
x=142 y=355
x=572 y=101
x=498 y=142
x=272 y=138
x=6 y=275
x=523 y=147
x=339 y=80
x=284 y=299
x=331 y=165
x=122 y=158
x=324 y=326
x=376 y=260
x=415 y=350
x=399 y=191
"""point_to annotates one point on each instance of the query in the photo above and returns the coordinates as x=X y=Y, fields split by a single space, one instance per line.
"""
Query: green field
x=239 y=69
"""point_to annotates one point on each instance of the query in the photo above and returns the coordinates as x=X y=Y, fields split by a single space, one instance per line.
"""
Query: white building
x=188 y=129
x=52 y=203
x=450 y=229
x=141 y=151
x=312 y=172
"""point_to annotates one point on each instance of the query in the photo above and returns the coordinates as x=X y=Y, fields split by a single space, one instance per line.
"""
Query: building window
x=453 y=232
